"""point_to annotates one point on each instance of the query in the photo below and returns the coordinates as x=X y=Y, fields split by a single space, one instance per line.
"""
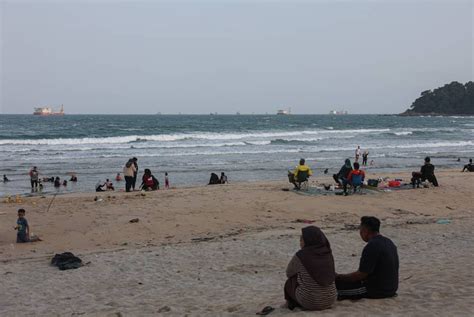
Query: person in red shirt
x=149 y=182
x=355 y=178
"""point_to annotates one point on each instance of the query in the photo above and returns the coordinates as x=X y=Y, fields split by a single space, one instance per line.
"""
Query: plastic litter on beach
x=443 y=221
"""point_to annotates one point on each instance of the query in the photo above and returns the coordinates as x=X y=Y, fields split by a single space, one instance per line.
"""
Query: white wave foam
x=183 y=137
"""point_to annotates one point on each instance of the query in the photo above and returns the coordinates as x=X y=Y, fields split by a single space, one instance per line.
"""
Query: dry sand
x=155 y=267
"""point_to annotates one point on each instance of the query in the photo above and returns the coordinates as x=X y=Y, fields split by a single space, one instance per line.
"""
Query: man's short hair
x=356 y=166
x=21 y=210
x=371 y=223
x=302 y=161
x=427 y=159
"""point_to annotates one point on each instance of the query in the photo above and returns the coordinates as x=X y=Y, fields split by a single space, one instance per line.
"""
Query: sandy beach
x=223 y=250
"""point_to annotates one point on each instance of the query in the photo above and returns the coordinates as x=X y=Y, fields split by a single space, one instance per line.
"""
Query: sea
x=245 y=147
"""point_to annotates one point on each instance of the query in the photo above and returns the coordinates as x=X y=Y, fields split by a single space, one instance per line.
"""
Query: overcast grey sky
x=228 y=56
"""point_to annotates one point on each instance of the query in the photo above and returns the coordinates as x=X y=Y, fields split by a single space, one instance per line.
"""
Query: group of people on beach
x=37 y=183
x=365 y=156
x=313 y=284
x=351 y=175
x=149 y=181
x=215 y=180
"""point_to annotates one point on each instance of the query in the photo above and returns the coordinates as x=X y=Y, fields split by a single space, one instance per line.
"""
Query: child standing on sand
x=23 y=234
x=167 y=181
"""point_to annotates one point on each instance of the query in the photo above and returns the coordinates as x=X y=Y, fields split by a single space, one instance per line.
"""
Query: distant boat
x=284 y=112
x=338 y=112
x=48 y=111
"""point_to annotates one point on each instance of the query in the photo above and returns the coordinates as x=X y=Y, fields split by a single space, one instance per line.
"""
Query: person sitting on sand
x=214 y=180
x=469 y=167
x=355 y=178
x=311 y=273
x=100 y=187
x=23 y=234
x=109 y=185
x=5 y=178
x=118 y=178
x=343 y=174
x=223 y=179
x=426 y=173
x=300 y=169
x=149 y=182
x=73 y=178
x=64 y=182
x=377 y=276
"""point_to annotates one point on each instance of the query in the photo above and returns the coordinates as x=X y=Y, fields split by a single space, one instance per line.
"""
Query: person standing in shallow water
x=135 y=163
x=365 y=156
x=34 y=177
x=167 y=181
x=129 y=171
x=311 y=273
x=357 y=154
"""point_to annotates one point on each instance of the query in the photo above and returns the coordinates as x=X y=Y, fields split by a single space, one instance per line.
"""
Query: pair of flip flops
x=265 y=311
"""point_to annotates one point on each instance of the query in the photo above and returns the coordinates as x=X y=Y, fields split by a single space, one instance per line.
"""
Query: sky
x=118 y=57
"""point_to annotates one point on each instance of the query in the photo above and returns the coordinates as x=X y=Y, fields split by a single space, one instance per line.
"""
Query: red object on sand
x=394 y=184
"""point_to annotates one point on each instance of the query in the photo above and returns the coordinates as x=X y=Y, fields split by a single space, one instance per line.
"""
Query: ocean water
x=246 y=147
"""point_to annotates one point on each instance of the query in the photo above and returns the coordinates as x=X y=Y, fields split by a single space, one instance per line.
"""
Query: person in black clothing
x=341 y=176
x=134 y=181
x=426 y=173
x=57 y=182
x=377 y=276
x=214 y=180
x=469 y=167
x=365 y=156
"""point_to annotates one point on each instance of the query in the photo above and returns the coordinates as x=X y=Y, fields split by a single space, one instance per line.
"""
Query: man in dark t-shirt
x=377 y=276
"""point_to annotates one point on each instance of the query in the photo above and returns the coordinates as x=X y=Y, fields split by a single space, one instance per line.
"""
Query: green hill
x=451 y=99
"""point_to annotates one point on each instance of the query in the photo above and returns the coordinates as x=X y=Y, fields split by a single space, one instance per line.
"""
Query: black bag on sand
x=373 y=182
x=66 y=261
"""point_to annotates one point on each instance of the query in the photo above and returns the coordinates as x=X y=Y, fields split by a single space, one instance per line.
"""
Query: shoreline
x=373 y=172
x=211 y=250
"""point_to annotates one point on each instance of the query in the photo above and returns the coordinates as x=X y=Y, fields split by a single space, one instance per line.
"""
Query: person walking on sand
x=129 y=171
x=34 y=177
x=167 y=181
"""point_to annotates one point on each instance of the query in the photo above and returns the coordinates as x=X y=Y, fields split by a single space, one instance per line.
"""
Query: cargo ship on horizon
x=48 y=111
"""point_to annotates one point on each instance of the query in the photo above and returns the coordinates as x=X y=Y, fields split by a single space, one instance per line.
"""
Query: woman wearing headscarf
x=311 y=273
x=341 y=176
